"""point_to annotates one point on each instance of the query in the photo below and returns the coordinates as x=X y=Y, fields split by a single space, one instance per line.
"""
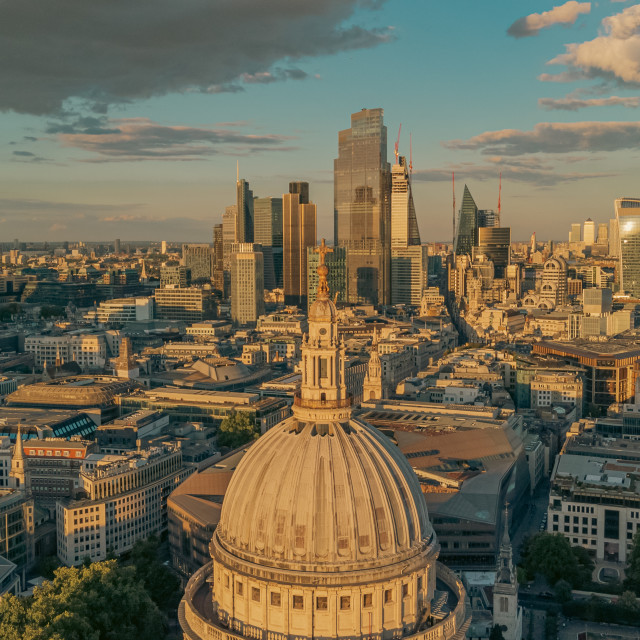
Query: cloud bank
x=108 y=51
x=555 y=137
x=565 y=14
x=142 y=139
x=570 y=103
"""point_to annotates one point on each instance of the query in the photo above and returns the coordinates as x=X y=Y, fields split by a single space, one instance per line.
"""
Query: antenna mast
x=398 y=143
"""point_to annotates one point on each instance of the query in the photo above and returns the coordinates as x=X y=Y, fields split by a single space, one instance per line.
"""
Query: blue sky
x=126 y=119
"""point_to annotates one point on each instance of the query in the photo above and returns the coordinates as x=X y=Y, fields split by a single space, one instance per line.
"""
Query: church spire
x=18 y=463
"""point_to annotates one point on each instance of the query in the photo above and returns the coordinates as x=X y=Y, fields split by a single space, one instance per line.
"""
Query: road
x=530 y=523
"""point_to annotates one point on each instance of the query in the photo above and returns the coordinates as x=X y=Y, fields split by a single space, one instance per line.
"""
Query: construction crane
x=398 y=143
x=500 y=195
x=453 y=185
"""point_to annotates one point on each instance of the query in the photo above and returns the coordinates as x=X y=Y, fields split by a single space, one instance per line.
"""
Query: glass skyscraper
x=628 y=217
x=467 y=226
x=362 y=211
x=244 y=204
x=267 y=231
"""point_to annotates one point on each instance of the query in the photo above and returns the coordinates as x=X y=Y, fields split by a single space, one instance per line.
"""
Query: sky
x=126 y=118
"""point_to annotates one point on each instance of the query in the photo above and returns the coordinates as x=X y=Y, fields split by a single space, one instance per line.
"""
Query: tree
x=562 y=590
x=632 y=572
x=496 y=633
x=162 y=585
x=551 y=555
x=237 y=429
x=99 y=602
x=628 y=601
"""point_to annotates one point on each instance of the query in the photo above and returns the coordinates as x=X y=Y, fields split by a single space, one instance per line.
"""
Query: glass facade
x=299 y=233
x=336 y=279
x=467 y=226
x=267 y=231
x=495 y=244
x=628 y=217
x=362 y=210
x=244 y=204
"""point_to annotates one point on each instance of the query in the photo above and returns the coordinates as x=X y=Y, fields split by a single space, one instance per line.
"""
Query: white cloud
x=613 y=54
x=566 y=13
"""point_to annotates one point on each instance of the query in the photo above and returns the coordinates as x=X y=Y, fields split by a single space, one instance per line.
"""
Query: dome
x=322 y=310
x=324 y=497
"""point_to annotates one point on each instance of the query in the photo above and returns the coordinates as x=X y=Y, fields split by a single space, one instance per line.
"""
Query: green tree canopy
x=632 y=572
x=496 y=633
x=99 y=602
x=237 y=429
x=552 y=556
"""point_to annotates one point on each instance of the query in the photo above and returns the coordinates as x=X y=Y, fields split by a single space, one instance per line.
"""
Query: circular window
x=323 y=331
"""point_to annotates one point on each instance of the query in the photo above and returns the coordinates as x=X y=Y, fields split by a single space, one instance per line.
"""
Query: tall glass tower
x=628 y=217
x=244 y=203
x=362 y=211
x=467 y=227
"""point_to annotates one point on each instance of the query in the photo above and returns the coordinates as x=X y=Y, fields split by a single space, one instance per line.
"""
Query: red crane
x=410 y=155
x=398 y=142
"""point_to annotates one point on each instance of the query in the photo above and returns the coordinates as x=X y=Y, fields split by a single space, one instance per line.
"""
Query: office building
x=404 y=225
x=122 y=311
x=614 y=238
x=229 y=234
x=126 y=501
x=594 y=500
x=198 y=258
x=488 y=218
x=597 y=301
x=244 y=211
x=609 y=366
x=409 y=274
x=185 y=304
x=362 y=208
x=298 y=550
x=589 y=232
x=89 y=350
x=302 y=189
x=17 y=527
x=575 y=233
x=336 y=260
x=603 y=233
x=163 y=247
x=299 y=233
x=116 y=246
x=267 y=231
x=218 y=258
x=495 y=244
x=176 y=276
x=554 y=281
x=247 y=283
x=628 y=217
x=466 y=225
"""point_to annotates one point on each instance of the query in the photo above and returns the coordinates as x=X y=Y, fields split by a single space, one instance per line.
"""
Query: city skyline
x=138 y=154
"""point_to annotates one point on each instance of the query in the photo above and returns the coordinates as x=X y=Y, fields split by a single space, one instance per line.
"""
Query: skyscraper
x=488 y=218
x=267 y=231
x=337 y=276
x=614 y=238
x=589 y=232
x=229 y=235
x=495 y=244
x=298 y=234
x=409 y=259
x=574 y=234
x=302 y=189
x=247 y=283
x=244 y=204
x=603 y=233
x=218 y=258
x=467 y=226
x=362 y=212
x=628 y=217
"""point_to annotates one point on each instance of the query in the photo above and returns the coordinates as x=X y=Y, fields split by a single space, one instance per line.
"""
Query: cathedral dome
x=324 y=497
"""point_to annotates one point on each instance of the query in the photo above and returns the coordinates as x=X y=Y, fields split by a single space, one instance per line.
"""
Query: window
x=321 y=603
x=419 y=583
x=298 y=602
x=255 y=594
x=239 y=588
x=345 y=603
x=405 y=590
x=367 y=600
x=388 y=596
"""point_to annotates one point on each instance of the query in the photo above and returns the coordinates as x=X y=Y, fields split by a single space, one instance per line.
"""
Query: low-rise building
x=89 y=350
x=122 y=311
x=552 y=388
x=191 y=304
